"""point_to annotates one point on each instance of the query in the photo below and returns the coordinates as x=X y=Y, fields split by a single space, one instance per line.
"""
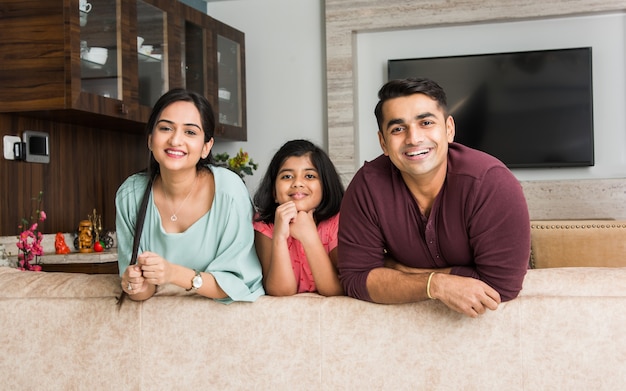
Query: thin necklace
x=173 y=217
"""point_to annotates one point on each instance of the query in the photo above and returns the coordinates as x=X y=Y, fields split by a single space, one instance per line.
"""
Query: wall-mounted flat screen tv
x=528 y=109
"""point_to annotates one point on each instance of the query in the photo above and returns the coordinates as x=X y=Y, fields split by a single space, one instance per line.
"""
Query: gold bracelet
x=430 y=277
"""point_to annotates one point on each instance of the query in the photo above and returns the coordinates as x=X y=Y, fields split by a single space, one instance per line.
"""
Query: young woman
x=298 y=204
x=197 y=230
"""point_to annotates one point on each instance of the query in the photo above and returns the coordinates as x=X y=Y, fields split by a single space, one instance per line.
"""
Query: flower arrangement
x=241 y=164
x=29 y=240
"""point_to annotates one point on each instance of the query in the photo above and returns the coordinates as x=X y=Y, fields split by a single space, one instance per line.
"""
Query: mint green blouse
x=221 y=242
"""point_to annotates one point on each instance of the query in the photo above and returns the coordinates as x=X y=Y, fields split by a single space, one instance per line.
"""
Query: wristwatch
x=196 y=281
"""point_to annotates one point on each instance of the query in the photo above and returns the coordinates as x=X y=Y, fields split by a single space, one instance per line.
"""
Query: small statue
x=96 y=225
x=85 y=234
x=59 y=244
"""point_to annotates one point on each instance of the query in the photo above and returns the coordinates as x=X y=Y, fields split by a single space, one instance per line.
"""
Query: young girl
x=298 y=204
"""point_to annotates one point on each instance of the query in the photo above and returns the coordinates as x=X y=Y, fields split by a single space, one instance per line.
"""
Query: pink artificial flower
x=37 y=248
x=29 y=241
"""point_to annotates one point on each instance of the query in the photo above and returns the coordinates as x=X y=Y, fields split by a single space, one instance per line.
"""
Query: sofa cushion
x=587 y=243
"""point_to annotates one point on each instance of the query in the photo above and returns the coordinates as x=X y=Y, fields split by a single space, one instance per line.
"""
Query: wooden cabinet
x=214 y=65
x=106 y=64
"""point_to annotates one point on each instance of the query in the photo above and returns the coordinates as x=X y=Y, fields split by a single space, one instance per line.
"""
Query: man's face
x=415 y=136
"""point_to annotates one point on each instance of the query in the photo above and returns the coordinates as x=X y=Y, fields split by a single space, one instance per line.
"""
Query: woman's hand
x=155 y=269
x=133 y=281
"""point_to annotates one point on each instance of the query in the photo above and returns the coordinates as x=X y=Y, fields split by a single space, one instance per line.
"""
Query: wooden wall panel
x=33 y=40
x=86 y=167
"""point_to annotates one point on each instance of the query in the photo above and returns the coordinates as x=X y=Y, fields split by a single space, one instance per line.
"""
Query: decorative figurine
x=59 y=244
x=85 y=234
x=96 y=225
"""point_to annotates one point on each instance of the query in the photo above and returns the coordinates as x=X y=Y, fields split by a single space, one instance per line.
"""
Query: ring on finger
x=129 y=287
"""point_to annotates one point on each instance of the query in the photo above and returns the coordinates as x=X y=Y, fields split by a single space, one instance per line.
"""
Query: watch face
x=197 y=281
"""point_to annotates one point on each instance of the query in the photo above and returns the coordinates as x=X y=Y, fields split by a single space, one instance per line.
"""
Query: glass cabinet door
x=229 y=57
x=99 y=51
x=194 y=48
x=229 y=81
x=151 y=53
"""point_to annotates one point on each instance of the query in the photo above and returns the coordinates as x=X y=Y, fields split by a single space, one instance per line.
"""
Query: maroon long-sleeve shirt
x=478 y=225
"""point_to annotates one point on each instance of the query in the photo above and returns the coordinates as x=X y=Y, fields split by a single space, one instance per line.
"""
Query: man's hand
x=466 y=295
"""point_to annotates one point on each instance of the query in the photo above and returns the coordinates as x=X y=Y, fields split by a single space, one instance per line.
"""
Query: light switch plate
x=9 y=141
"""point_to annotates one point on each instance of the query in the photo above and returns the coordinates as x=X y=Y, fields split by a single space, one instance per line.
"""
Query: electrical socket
x=9 y=142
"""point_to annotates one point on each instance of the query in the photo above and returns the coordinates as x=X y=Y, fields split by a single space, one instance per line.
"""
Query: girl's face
x=177 y=140
x=299 y=181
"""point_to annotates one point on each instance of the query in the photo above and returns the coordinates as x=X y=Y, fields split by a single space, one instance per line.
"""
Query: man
x=431 y=218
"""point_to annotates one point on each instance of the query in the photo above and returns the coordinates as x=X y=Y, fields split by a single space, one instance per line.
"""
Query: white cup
x=139 y=42
x=97 y=55
x=84 y=6
x=223 y=93
x=83 y=19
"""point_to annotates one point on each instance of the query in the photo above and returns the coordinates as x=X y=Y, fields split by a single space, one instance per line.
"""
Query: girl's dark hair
x=206 y=114
x=405 y=87
x=332 y=187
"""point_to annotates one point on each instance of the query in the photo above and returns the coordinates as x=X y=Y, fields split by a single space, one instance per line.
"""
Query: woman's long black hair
x=332 y=187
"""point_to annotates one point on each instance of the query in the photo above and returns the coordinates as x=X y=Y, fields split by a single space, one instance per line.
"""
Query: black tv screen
x=528 y=109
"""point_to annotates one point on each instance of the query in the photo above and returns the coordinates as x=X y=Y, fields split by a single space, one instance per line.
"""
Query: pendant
x=173 y=218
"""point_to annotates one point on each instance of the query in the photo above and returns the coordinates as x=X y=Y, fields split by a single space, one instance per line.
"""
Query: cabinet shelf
x=150 y=57
x=92 y=65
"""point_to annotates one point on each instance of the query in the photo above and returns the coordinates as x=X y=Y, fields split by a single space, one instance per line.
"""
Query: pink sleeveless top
x=327 y=230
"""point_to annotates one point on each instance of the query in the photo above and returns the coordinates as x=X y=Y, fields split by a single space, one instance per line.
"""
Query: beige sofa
x=63 y=331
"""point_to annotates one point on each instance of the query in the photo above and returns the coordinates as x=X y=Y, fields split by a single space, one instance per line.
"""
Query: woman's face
x=299 y=181
x=177 y=140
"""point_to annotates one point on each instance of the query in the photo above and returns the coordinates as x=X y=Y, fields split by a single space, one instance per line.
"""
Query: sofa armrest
x=578 y=243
